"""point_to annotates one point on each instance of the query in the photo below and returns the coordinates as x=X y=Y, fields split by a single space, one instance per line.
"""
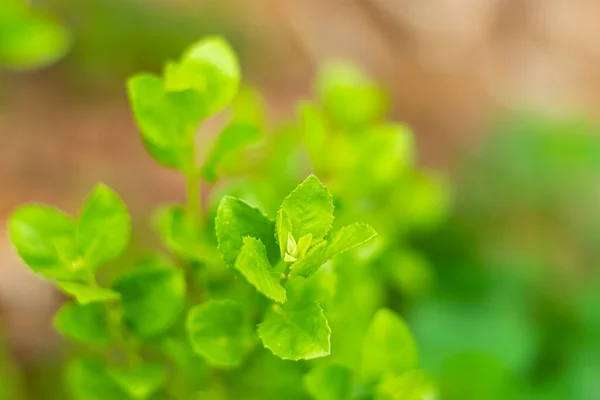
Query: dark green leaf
x=84 y=323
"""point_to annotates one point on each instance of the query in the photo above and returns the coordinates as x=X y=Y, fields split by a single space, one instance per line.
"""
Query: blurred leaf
x=235 y=220
x=210 y=68
x=299 y=334
x=249 y=107
x=153 y=296
x=349 y=95
x=103 y=228
x=139 y=382
x=178 y=232
x=220 y=331
x=388 y=346
x=168 y=120
x=310 y=209
x=254 y=265
x=44 y=238
x=411 y=385
x=28 y=38
x=86 y=294
x=88 y=379
x=230 y=142
x=314 y=131
x=329 y=382
x=84 y=323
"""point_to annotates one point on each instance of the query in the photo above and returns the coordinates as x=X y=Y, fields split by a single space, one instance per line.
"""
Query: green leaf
x=348 y=237
x=299 y=334
x=210 y=68
x=312 y=261
x=167 y=120
x=88 y=379
x=253 y=264
x=104 y=227
x=140 y=382
x=249 y=107
x=44 y=238
x=329 y=382
x=153 y=296
x=30 y=39
x=236 y=219
x=220 y=331
x=86 y=294
x=349 y=95
x=178 y=231
x=411 y=385
x=388 y=346
x=229 y=144
x=84 y=323
x=310 y=209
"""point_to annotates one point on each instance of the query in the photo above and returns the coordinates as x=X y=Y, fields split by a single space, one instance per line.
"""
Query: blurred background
x=503 y=97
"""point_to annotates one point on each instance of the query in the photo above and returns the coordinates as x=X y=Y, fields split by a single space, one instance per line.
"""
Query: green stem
x=194 y=201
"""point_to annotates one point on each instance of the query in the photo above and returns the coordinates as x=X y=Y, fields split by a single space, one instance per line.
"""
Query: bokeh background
x=503 y=97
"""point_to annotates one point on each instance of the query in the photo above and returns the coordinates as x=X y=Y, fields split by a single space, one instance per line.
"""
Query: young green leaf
x=45 y=239
x=104 y=227
x=253 y=264
x=388 y=346
x=230 y=142
x=88 y=379
x=411 y=385
x=86 y=294
x=236 y=219
x=139 y=382
x=83 y=323
x=312 y=260
x=153 y=296
x=329 y=382
x=310 y=209
x=167 y=120
x=348 y=237
x=299 y=334
x=284 y=231
x=220 y=331
x=349 y=95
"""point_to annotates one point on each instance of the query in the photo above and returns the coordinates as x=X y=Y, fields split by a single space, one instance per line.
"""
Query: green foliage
x=329 y=382
x=84 y=323
x=28 y=38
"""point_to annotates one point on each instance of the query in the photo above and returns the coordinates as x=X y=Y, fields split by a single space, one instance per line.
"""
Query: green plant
x=184 y=326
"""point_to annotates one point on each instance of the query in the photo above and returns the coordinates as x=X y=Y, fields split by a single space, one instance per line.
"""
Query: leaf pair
x=59 y=247
x=169 y=109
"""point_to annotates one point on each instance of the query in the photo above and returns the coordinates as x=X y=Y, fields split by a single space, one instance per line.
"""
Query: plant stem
x=194 y=201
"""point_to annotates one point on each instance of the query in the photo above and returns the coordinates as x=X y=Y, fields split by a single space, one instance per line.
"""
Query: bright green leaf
x=220 y=331
x=139 y=382
x=253 y=264
x=85 y=293
x=84 y=323
x=89 y=380
x=329 y=382
x=303 y=245
x=249 y=107
x=388 y=346
x=236 y=219
x=211 y=69
x=314 y=130
x=299 y=334
x=312 y=260
x=230 y=142
x=310 y=209
x=153 y=296
x=167 y=120
x=411 y=385
x=349 y=237
x=44 y=238
x=284 y=230
x=103 y=228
